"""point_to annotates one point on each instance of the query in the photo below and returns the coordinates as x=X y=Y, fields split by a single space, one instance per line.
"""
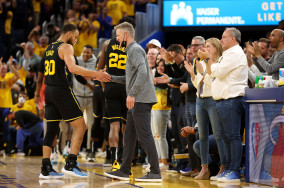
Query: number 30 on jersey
x=116 y=60
x=49 y=67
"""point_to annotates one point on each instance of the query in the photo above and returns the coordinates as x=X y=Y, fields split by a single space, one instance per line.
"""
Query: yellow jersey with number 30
x=55 y=70
x=115 y=58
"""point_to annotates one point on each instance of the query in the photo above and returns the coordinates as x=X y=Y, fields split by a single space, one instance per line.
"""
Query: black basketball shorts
x=115 y=95
x=61 y=103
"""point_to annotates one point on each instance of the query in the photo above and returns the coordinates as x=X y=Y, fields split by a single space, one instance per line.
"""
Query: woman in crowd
x=160 y=117
x=206 y=113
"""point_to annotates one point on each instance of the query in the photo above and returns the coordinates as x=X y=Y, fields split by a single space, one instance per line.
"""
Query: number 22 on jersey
x=117 y=60
x=49 y=67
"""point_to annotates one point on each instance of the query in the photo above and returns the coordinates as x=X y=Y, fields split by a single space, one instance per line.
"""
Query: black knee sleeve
x=96 y=128
x=107 y=128
x=52 y=129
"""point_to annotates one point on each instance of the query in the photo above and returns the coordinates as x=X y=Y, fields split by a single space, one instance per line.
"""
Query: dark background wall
x=184 y=35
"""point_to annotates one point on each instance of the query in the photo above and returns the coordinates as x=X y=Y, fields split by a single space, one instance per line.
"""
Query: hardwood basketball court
x=23 y=172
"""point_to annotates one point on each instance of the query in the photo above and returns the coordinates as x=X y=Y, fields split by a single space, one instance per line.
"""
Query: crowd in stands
x=39 y=21
x=200 y=87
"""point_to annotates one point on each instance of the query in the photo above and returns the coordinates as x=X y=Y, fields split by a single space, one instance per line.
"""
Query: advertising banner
x=266 y=144
x=222 y=13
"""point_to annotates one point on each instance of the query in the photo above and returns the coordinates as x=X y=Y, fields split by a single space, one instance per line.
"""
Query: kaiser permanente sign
x=225 y=13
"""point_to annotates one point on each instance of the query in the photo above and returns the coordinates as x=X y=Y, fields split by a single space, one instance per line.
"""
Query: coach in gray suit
x=140 y=99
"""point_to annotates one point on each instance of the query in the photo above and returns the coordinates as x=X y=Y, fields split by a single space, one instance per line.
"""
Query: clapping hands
x=253 y=49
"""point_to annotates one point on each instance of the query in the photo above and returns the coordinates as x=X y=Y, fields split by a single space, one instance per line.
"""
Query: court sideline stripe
x=10 y=182
x=3 y=163
x=7 y=178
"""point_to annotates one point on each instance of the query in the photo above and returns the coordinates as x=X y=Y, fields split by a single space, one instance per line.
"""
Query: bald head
x=277 y=39
x=280 y=32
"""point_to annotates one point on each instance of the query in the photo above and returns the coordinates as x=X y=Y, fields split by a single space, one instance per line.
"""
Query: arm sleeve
x=177 y=81
x=274 y=66
x=251 y=76
x=81 y=79
x=26 y=63
x=255 y=70
x=139 y=61
x=189 y=82
x=108 y=22
x=169 y=70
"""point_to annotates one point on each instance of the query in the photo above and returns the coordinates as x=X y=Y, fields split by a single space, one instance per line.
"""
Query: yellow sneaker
x=115 y=166
x=131 y=175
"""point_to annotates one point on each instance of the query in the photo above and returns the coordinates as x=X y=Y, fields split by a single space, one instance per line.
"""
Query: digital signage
x=222 y=13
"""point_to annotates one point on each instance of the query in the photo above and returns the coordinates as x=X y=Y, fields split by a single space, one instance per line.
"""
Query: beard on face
x=69 y=41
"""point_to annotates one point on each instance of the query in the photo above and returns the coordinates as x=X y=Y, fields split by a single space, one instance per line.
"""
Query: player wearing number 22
x=115 y=94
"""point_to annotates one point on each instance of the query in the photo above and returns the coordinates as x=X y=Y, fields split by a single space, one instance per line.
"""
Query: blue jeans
x=190 y=113
x=205 y=113
x=230 y=112
x=34 y=133
x=5 y=125
x=213 y=148
x=182 y=122
x=159 y=123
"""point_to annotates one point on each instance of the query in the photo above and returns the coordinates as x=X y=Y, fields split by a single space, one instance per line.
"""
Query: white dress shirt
x=231 y=74
x=207 y=83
